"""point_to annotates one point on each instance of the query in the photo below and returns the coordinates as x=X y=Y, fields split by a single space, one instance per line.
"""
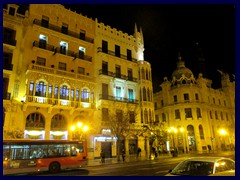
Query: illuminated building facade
x=201 y=112
x=61 y=67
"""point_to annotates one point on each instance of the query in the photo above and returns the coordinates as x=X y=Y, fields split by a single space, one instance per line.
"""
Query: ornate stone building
x=201 y=113
x=61 y=67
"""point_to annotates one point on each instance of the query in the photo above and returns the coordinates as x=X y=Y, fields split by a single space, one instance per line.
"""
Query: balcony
x=61 y=51
x=59 y=29
x=112 y=53
x=114 y=98
x=117 y=75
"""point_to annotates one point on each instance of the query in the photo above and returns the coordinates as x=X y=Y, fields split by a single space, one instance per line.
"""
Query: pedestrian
x=123 y=155
x=102 y=155
x=139 y=152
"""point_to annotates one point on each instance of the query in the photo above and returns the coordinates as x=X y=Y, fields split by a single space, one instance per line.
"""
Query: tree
x=122 y=124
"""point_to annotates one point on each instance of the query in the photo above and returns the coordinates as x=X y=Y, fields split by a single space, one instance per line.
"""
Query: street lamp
x=172 y=131
x=78 y=130
x=223 y=133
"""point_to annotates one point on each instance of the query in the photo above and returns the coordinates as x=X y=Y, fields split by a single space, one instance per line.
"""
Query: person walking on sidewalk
x=139 y=152
x=123 y=155
x=102 y=155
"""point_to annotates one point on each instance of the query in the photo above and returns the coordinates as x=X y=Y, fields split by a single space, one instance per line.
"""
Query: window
x=63 y=47
x=175 y=98
x=62 y=66
x=219 y=101
x=146 y=116
x=77 y=95
x=31 y=88
x=105 y=114
x=131 y=117
x=12 y=11
x=216 y=115
x=72 y=94
x=105 y=91
x=45 y=21
x=56 y=92
x=81 y=52
x=117 y=50
x=82 y=34
x=130 y=74
x=221 y=116
x=146 y=74
x=119 y=115
x=104 y=46
x=163 y=117
x=196 y=97
x=58 y=122
x=105 y=68
x=156 y=118
x=81 y=70
x=41 y=89
x=213 y=100
x=224 y=103
x=42 y=41
x=85 y=95
x=186 y=97
x=118 y=92
x=41 y=61
x=227 y=116
x=130 y=95
x=50 y=90
x=177 y=114
x=144 y=94
x=129 y=54
x=64 y=92
x=162 y=103
x=201 y=132
x=35 y=120
x=198 y=113
x=188 y=113
x=118 y=71
x=210 y=113
x=64 y=28
x=143 y=73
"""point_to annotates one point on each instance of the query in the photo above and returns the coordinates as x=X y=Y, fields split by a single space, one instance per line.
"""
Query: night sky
x=170 y=29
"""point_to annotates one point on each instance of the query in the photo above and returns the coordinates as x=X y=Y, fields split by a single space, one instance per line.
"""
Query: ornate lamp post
x=78 y=130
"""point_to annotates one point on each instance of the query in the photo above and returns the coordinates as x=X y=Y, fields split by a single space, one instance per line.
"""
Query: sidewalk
x=133 y=158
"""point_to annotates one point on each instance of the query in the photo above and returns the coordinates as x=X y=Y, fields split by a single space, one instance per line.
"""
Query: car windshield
x=193 y=168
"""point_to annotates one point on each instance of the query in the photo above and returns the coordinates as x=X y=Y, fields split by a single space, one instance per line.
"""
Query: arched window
x=148 y=94
x=143 y=73
x=58 y=122
x=147 y=74
x=146 y=116
x=144 y=94
x=201 y=131
x=150 y=116
x=41 y=89
x=64 y=92
x=35 y=121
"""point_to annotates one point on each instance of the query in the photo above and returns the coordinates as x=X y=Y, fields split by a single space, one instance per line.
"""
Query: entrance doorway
x=106 y=147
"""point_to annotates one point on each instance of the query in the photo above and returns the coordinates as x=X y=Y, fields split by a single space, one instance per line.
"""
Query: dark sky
x=169 y=29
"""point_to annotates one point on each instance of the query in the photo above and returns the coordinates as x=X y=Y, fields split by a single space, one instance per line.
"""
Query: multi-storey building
x=205 y=115
x=61 y=67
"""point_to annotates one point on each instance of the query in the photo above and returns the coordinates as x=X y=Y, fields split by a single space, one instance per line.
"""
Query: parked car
x=202 y=166
x=224 y=173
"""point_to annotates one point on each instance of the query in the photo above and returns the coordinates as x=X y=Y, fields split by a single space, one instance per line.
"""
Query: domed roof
x=181 y=70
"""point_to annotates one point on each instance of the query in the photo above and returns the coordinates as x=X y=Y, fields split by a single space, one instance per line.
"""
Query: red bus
x=22 y=156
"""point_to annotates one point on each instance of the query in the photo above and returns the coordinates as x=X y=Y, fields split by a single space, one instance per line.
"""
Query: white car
x=202 y=166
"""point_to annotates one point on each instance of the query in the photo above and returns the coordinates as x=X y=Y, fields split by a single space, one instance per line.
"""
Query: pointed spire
x=141 y=34
x=179 y=56
x=135 y=29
